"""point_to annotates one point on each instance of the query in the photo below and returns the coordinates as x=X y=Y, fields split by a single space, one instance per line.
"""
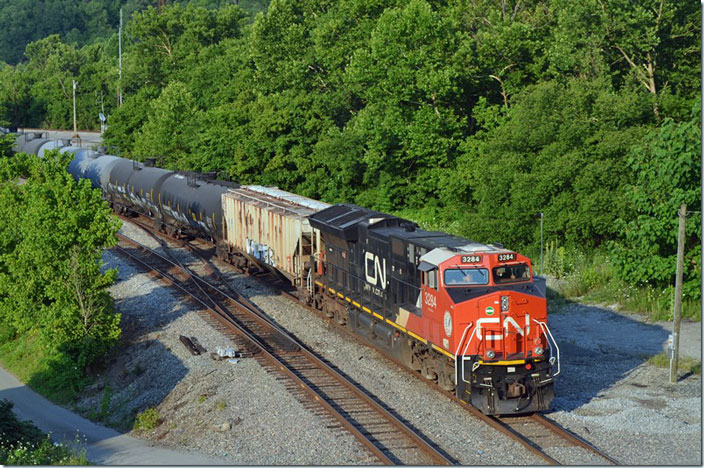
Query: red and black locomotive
x=467 y=315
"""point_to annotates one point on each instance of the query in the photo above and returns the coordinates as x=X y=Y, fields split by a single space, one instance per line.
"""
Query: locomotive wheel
x=428 y=368
x=446 y=375
x=327 y=311
x=318 y=302
x=407 y=354
x=341 y=317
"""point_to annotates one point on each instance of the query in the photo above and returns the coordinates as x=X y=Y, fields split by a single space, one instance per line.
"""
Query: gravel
x=611 y=397
x=606 y=393
x=235 y=411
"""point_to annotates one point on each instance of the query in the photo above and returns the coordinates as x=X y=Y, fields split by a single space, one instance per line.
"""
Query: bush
x=147 y=419
x=22 y=443
x=52 y=288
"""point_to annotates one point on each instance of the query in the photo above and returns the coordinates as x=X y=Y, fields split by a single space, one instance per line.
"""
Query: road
x=104 y=446
x=87 y=138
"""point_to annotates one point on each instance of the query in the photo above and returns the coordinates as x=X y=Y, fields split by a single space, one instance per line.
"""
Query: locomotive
x=469 y=316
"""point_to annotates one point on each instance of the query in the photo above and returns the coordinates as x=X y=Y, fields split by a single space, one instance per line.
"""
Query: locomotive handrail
x=553 y=357
x=459 y=345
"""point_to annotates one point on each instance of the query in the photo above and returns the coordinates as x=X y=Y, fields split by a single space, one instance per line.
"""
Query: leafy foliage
x=471 y=117
x=81 y=23
x=668 y=173
x=50 y=260
x=147 y=419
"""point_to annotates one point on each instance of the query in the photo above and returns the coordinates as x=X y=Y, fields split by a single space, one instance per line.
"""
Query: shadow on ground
x=141 y=371
x=598 y=348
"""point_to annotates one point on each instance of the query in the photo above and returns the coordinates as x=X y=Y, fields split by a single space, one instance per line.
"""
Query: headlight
x=504 y=303
x=538 y=350
x=490 y=354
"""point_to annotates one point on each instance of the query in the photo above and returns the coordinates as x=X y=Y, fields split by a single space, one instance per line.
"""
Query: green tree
x=651 y=45
x=50 y=259
x=667 y=173
x=407 y=78
x=170 y=130
x=567 y=164
x=6 y=143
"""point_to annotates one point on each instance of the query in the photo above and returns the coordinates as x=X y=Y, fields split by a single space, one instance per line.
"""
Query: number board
x=471 y=258
x=507 y=257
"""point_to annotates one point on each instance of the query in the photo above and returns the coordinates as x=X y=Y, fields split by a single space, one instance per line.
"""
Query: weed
x=147 y=419
x=221 y=405
x=202 y=398
x=593 y=279
x=105 y=402
x=685 y=364
x=22 y=443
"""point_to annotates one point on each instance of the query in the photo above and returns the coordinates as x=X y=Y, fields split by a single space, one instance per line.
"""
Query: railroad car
x=469 y=316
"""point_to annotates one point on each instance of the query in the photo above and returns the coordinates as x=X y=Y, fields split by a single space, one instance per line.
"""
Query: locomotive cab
x=493 y=316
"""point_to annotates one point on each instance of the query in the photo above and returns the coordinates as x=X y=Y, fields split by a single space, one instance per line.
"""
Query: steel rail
x=494 y=422
x=571 y=437
x=281 y=365
x=227 y=322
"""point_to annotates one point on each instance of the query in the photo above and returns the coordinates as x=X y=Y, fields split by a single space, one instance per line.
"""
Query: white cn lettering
x=378 y=270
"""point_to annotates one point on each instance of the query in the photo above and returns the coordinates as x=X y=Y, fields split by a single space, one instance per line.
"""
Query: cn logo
x=378 y=270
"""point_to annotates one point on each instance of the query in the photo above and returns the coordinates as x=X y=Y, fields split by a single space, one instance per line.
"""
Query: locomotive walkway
x=104 y=446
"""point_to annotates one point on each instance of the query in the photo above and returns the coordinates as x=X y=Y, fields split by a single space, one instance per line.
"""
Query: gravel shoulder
x=242 y=415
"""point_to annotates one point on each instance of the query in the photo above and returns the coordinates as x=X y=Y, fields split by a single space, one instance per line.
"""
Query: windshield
x=511 y=273
x=465 y=276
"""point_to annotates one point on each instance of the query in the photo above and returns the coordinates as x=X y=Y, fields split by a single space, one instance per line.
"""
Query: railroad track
x=537 y=433
x=390 y=439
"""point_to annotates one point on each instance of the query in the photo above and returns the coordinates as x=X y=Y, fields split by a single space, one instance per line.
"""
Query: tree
x=568 y=163
x=407 y=78
x=652 y=43
x=170 y=130
x=667 y=173
x=50 y=258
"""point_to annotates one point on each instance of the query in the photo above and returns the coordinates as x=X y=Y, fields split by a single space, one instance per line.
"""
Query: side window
x=433 y=279
x=430 y=278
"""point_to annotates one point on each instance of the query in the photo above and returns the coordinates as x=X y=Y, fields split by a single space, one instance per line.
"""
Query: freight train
x=469 y=316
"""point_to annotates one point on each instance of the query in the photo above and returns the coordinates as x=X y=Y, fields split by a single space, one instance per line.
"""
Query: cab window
x=511 y=273
x=430 y=278
x=466 y=276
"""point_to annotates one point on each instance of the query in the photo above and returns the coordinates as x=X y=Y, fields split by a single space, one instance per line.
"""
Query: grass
x=685 y=364
x=22 y=443
x=593 y=279
x=54 y=376
x=147 y=419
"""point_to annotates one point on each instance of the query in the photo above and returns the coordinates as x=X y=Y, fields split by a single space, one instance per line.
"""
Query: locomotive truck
x=469 y=316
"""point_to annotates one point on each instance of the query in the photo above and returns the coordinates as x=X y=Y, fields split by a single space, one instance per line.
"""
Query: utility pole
x=678 y=296
x=119 y=48
x=75 y=130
